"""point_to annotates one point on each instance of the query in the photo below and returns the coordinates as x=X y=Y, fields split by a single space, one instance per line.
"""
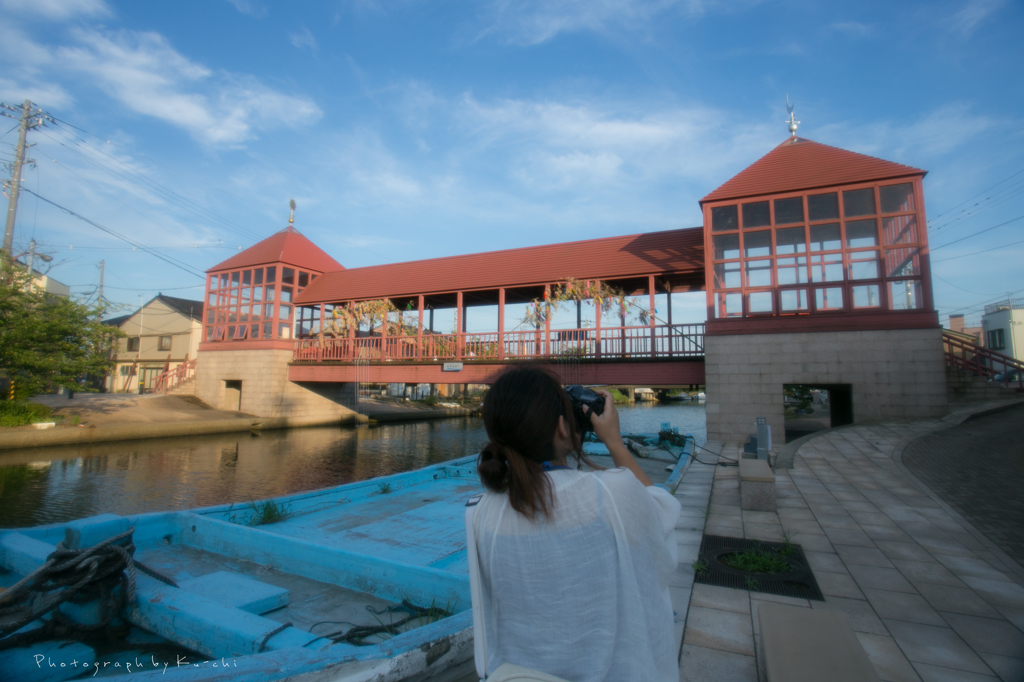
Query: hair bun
x=493 y=466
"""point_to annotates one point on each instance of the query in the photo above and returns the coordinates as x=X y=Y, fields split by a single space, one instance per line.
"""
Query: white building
x=160 y=335
x=1003 y=327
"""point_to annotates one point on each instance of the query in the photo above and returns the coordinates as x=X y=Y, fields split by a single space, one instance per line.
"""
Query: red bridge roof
x=287 y=246
x=799 y=164
x=672 y=251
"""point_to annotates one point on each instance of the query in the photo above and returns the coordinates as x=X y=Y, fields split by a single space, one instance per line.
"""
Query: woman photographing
x=569 y=569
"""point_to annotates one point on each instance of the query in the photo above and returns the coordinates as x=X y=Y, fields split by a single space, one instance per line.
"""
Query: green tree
x=48 y=340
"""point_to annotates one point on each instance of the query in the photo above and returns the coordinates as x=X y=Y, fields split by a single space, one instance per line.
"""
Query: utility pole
x=19 y=160
x=101 y=287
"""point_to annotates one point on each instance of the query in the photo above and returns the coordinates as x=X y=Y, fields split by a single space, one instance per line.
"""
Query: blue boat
x=367 y=580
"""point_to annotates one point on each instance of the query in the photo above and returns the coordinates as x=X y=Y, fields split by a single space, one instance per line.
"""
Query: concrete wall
x=266 y=390
x=895 y=375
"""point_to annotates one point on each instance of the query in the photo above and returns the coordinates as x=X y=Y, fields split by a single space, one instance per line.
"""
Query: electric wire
x=167 y=259
x=975 y=253
x=975 y=234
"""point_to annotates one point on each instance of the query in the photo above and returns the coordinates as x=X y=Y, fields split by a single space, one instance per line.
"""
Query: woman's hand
x=606 y=424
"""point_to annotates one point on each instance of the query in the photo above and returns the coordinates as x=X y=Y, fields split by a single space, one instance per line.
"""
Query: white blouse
x=583 y=595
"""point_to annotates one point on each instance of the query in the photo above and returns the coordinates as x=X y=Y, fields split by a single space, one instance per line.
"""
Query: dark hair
x=521 y=414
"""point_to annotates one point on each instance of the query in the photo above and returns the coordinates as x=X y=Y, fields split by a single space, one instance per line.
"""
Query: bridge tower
x=249 y=326
x=817 y=274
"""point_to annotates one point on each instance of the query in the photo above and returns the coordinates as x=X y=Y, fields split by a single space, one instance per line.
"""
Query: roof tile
x=800 y=164
x=287 y=246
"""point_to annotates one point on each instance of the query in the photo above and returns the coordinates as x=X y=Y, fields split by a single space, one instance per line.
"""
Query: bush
x=430 y=400
x=618 y=396
x=14 y=413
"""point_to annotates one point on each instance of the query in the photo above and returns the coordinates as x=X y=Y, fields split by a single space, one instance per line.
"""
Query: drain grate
x=798 y=582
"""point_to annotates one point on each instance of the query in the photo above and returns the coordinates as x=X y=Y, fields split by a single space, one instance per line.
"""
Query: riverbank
x=105 y=417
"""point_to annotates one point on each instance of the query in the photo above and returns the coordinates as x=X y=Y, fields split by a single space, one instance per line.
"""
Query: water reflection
x=51 y=485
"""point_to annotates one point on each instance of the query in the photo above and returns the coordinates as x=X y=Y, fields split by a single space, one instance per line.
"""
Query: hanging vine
x=602 y=295
x=354 y=314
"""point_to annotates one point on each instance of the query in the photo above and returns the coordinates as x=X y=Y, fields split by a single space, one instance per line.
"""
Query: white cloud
x=147 y=75
x=854 y=29
x=57 y=9
x=253 y=9
x=529 y=22
x=45 y=95
x=973 y=14
x=303 y=40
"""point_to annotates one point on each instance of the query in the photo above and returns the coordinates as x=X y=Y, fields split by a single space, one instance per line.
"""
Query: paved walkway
x=978 y=469
x=929 y=597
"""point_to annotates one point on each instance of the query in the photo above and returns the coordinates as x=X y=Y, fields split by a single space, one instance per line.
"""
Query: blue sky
x=412 y=129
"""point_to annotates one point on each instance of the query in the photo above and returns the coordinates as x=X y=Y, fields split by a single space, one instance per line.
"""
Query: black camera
x=581 y=396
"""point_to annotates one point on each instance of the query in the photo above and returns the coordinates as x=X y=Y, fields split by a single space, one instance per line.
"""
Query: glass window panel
x=791 y=300
x=866 y=296
x=823 y=206
x=303 y=279
x=254 y=331
x=234 y=279
x=906 y=295
x=221 y=317
x=902 y=262
x=861 y=234
x=224 y=281
x=213 y=281
x=258 y=277
x=244 y=295
x=792 y=270
x=727 y=276
x=828 y=299
x=209 y=316
x=209 y=334
x=896 y=198
x=899 y=230
x=257 y=294
x=268 y=329
x=285 y=331
x=826 y=237
x=234 y=298
x=271 y=274
x=286 y=294
x=232 y=316
x=726 y=246
x=270 y=294
x=284 y=312
x=756 y=214
x=246 y=278
x=760 y=302
x=759 y=273
x=789 y=210
x=256 y=310
x=827 y=268
x=756 y=244
x=241 y=332
x=243 y=314
x=287 y=276
x=864 y=265
x=790 y=240
x=213 y=298
x=268 y=310
x=724 y=218
x=231 y=332
x=729 y=305
x=859 y=202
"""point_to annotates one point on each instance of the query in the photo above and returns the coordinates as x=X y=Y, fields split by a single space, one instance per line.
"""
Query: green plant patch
x=753 y=561
x=15 y=413
x=267 y=512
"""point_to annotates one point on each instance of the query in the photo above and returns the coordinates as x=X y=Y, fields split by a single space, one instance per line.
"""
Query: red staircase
x=184 y=373
x=976 y=361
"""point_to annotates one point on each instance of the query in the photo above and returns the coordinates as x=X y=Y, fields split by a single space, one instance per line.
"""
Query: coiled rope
x=77 y=576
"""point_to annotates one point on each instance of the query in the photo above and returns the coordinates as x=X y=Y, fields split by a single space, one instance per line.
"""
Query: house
x=1002 y=326
x=161 y=335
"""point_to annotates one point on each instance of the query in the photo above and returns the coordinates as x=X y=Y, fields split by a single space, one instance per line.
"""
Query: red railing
x=608 y=343
x=173 y=378
x=979 y=361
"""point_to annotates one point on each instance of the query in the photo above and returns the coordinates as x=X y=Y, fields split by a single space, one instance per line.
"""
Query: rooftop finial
x=291 y=216
x=793 y=123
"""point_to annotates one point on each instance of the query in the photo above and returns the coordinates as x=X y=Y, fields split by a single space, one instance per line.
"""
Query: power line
x=194 y=286
x=987 y=229
x=178 y=264
x=977 y=293
x=975 y=253
x=141 y=180
x=935 y=218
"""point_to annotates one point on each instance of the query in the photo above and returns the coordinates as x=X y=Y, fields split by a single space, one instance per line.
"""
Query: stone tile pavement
x=929 y=597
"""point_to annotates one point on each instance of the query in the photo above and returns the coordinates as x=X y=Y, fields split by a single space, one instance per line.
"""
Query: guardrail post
x=650 y=316
x=546 y=347
x=597 y=322
x=419 y=330
x=460 y=337
x=501 y=323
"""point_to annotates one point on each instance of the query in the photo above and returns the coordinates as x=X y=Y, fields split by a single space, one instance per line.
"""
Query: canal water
x=52 y=485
